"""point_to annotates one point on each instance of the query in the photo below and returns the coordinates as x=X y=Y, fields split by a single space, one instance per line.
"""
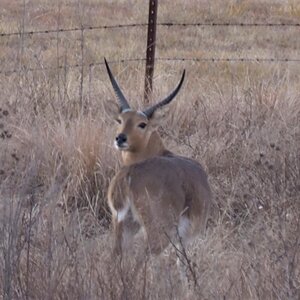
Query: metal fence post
x=150 y=53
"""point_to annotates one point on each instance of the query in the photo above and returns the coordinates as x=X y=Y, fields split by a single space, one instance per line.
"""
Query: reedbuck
x=157 y=193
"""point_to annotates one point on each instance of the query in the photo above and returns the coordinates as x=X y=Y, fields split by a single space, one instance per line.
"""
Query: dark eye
x=119 y=121
x=142 y=125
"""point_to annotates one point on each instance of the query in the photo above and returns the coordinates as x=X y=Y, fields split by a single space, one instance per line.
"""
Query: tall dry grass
x=241 y=121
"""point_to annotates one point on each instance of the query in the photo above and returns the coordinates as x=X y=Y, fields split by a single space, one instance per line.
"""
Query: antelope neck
x=155 y=147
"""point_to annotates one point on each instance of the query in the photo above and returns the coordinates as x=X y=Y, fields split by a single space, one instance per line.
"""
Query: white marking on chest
x=183 y=226
x=121 y=214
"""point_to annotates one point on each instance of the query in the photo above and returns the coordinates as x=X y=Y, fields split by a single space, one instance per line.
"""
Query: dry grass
x=240 y=120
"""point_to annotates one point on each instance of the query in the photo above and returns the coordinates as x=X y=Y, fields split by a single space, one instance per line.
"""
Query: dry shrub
x=247 y=140
x=241 y=121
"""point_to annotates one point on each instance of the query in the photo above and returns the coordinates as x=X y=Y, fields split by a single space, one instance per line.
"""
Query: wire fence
x=166 y=24
x=170 y=59
x=163 y=24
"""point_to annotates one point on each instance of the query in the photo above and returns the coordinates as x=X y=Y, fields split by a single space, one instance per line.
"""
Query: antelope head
x=136 y=134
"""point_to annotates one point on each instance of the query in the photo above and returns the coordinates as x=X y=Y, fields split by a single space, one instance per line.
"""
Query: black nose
x=121 y=138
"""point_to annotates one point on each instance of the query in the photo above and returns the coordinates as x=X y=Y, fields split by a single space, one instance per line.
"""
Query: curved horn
x=121 y=98
x=149 y=112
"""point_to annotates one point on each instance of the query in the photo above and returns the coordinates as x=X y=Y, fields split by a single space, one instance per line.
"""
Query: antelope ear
x=111 y=109
x=161 y=116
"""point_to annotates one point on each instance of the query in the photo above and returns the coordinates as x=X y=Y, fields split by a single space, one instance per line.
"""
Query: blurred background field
x=239 y=119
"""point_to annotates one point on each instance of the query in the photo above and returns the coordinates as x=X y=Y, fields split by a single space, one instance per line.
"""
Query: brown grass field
x=241 y=120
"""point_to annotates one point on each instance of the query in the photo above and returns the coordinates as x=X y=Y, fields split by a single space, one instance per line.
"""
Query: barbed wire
x=180 y=59
x=84 y=28
x=242 y=24
x=218 y=59
x=167 y=24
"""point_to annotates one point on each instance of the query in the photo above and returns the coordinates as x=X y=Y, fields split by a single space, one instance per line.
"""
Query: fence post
x=150 y=52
